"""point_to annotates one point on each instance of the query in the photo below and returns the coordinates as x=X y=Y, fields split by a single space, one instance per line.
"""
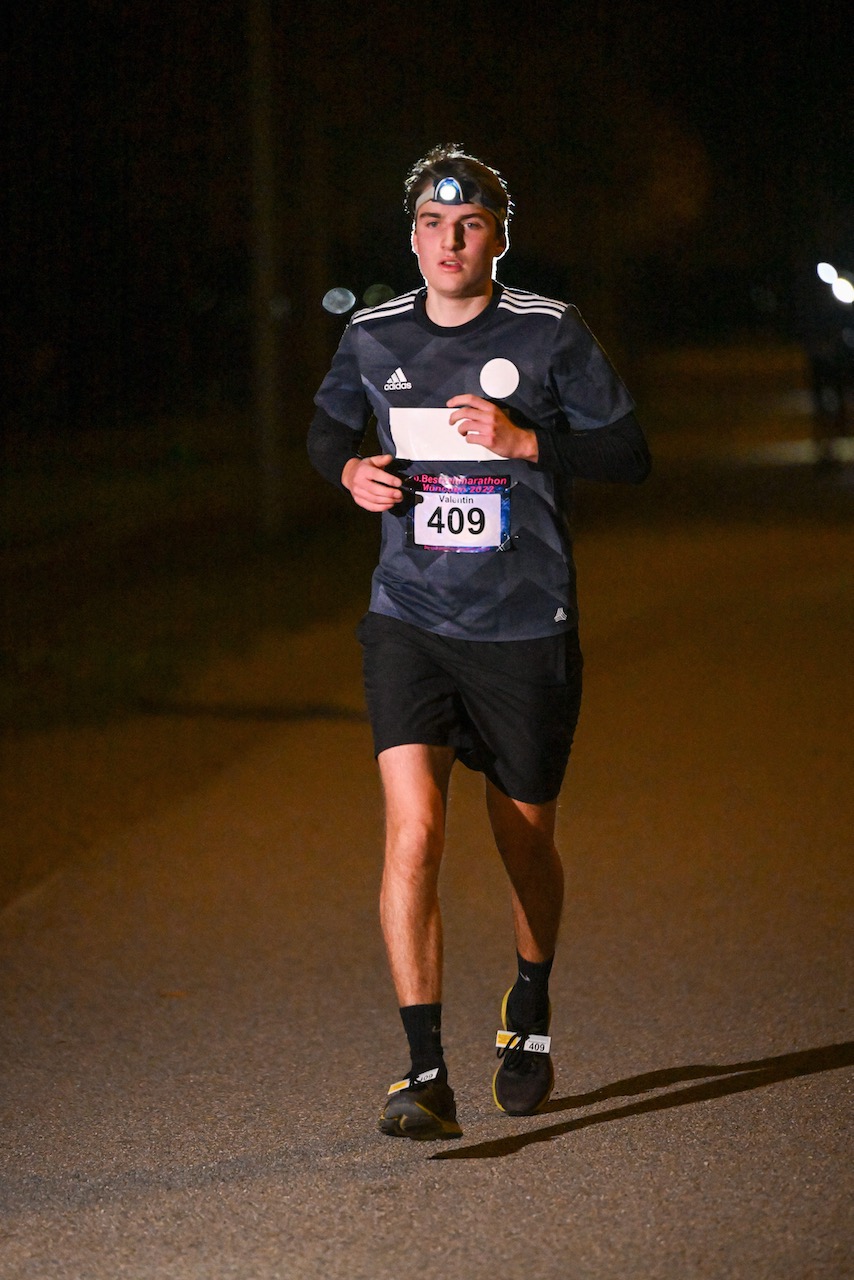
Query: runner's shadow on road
x=717 y=1082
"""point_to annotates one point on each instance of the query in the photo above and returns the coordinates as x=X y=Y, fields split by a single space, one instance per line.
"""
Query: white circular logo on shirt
x=499 y=378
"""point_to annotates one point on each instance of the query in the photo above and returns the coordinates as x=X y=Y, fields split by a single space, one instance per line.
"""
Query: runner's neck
x=452 y=312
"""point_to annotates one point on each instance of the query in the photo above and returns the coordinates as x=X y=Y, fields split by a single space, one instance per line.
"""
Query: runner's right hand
x=370 y=485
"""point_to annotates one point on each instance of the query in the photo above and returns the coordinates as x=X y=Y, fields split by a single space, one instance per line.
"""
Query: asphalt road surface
x=198 y=1027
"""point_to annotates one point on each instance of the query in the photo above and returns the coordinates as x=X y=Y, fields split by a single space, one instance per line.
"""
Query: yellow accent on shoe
x=523 y=1106
x=422 y=1113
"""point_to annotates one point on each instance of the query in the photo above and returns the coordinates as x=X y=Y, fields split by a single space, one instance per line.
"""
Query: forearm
x=617 y=453
x=331 y=445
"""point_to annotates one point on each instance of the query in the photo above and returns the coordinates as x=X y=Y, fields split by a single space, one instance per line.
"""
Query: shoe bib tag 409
x=424 y=1078
x=533 y=1043
x=459 y=513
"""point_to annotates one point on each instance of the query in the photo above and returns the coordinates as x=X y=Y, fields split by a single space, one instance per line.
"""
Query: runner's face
x=456 y=246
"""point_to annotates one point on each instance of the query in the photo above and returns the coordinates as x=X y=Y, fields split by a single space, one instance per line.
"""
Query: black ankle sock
x=528 y=1002
x=423 y=1026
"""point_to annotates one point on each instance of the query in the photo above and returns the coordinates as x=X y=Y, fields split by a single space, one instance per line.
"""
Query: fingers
x=477 y=410
x=480 y=421
x=476 y=402
x=371 y=486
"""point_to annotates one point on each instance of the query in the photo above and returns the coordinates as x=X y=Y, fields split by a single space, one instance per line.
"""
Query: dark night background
x=675 y=170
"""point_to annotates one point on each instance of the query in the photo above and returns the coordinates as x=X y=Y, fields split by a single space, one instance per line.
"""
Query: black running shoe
x=421 y=1107
x=523 y=1083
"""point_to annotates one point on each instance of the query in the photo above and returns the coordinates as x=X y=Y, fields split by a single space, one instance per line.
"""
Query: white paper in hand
x=427 y=435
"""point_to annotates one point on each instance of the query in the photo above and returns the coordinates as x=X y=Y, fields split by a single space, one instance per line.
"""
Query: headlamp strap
x=449 y=191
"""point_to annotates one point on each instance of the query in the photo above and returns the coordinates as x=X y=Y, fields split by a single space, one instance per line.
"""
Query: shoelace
x=514 y=1056
x=420 y=1085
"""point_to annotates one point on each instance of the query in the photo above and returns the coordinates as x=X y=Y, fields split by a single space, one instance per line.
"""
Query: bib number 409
x=455 y=521
x=458 y=520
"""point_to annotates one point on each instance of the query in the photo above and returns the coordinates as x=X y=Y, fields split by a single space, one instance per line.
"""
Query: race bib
x=459 y=513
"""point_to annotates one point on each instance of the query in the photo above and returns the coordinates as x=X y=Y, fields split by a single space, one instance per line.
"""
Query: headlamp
x=449 y=191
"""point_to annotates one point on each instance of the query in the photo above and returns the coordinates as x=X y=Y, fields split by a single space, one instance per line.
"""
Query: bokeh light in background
x=281 y=307
x=840 y=286
x=376 y=294
x=339 y=301
x=843 y=290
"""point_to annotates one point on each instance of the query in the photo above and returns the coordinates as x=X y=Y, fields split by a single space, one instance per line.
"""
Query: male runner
x=488 y=402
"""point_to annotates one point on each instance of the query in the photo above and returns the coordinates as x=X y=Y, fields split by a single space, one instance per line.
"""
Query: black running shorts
x=508 y=708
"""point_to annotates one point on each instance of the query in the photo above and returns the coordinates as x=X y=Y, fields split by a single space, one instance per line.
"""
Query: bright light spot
x=449 y=191
x=338 y=301
x=377 y=293
x=826 y=272
x=842 y=289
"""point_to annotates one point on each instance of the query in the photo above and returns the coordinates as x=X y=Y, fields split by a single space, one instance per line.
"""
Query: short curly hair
x=451 y=161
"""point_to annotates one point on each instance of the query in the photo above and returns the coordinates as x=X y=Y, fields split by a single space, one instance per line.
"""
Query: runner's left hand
x=482 y=422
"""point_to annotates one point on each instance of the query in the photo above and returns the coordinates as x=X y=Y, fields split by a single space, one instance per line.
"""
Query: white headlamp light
x=449 y=191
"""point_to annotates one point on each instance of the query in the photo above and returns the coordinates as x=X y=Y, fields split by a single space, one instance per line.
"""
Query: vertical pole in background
x=267 y=406
x=316 y=259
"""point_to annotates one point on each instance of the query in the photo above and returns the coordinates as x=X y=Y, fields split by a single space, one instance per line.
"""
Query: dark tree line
x=666 y=167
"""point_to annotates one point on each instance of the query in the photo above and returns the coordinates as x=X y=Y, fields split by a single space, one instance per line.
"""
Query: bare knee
x=415 y=784
x=414 y=845
x=525 y=831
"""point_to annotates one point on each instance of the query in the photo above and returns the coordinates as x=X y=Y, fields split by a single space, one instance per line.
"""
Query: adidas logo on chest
x=398 y=381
